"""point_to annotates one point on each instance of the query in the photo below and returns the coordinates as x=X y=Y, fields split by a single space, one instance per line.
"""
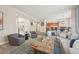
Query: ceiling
x=43 y=11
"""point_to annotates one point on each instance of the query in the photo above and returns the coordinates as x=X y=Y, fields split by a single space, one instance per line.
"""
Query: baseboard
x=3 y=43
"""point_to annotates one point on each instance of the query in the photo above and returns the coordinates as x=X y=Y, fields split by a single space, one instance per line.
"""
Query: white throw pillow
x=74 y=36
x=76 y=44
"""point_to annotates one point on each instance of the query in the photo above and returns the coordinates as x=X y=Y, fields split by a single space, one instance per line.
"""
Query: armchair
x=16 y=39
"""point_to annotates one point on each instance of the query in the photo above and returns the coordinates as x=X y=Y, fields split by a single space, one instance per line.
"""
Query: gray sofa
x=33 y=34
x=16 y=39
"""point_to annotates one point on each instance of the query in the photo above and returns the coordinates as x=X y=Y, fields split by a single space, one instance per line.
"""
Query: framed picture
x=1 y=20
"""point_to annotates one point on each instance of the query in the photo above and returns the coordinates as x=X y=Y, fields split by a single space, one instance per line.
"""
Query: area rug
x=25 y=48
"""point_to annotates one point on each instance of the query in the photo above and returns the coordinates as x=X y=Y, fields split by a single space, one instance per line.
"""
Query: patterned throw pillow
x=72 y=42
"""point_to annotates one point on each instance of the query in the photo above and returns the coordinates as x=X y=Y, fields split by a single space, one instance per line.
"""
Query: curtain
x=77 y=20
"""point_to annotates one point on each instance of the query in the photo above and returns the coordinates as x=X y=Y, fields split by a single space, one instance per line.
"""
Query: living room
x=31 y=25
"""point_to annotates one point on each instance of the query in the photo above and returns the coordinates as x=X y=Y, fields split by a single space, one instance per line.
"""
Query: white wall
x=9 y=21
x=73 y=20
x=77 y=19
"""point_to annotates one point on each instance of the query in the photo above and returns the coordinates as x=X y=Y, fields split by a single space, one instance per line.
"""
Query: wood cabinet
x=52 y=26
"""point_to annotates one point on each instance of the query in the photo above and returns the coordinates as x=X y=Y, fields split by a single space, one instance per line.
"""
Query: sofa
x=16 y=39
x=33 y=34
x=65 y=44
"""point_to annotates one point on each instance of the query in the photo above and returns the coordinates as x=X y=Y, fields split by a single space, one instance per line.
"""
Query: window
x=21 y=25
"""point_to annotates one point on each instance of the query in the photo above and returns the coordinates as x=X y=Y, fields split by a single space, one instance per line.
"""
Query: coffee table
x=46 y=46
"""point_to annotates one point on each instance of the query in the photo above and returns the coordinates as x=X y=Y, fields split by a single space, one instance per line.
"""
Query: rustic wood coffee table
x=46 y=46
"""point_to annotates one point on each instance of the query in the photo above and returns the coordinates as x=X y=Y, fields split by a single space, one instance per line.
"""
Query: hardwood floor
x=6 y=48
